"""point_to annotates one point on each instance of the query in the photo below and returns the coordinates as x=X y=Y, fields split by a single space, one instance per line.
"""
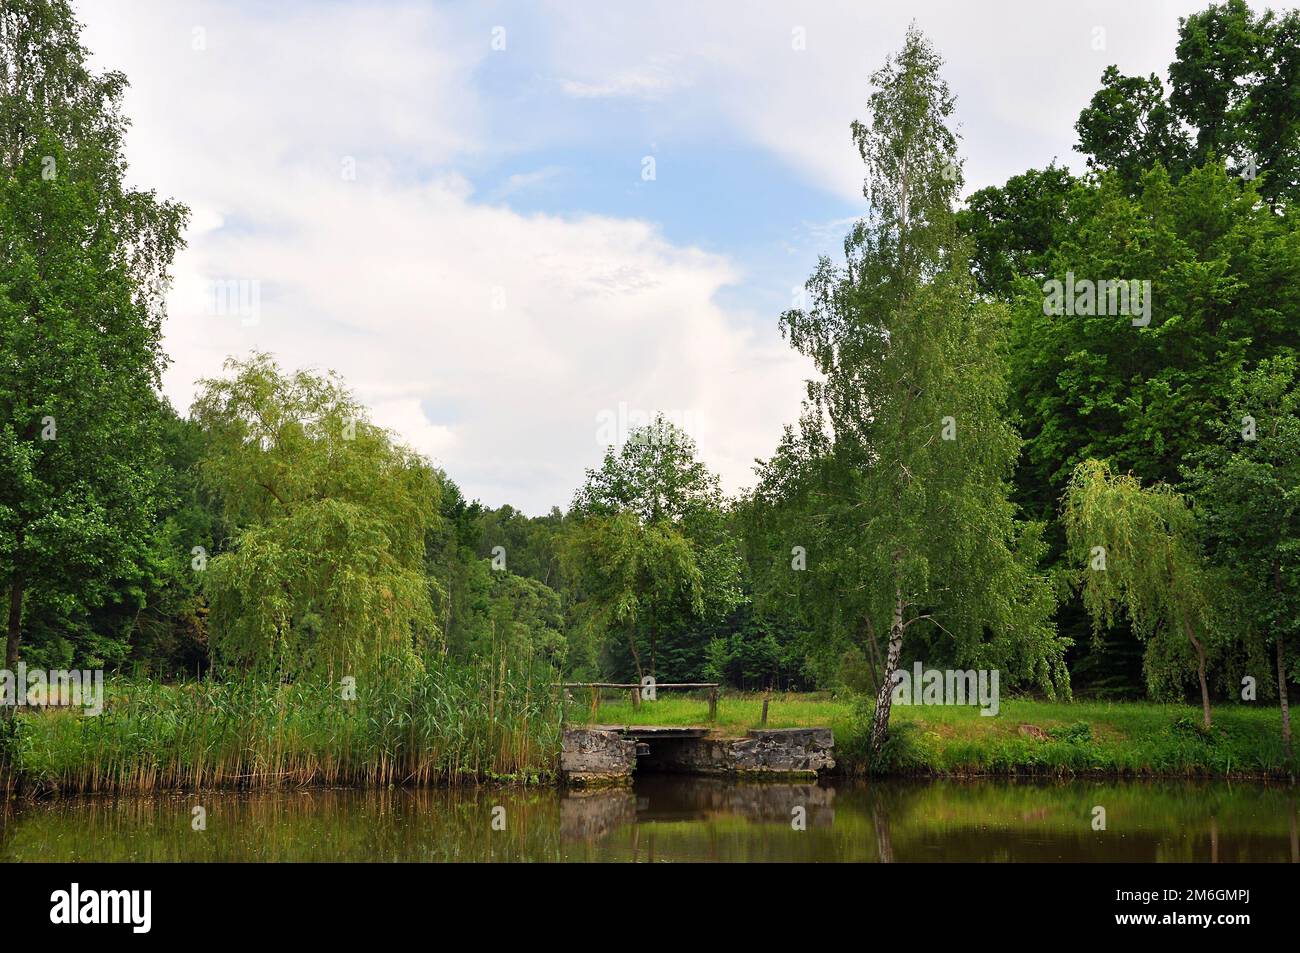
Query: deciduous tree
x=1247 y=489
x=83 y=267
x=649 y=543
x=325 y=568
x=908 y=417
x=1136 y=550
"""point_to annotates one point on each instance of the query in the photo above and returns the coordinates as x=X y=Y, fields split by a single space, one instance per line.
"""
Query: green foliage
x=649 y=543
x=897 y=481
x=1137 y=551
x=1231 y=86
x=1247 y=485
x=532 y=545
x=451 y=721
x=324 y=570
x=1173 y=200
x=1188 y=725
x=1224 y=275
x=1128 y=127
x=1079 y=732
x=169 y=634
x=513 y=616
x=752 y=652
x=83 y=259
x=1014 y=228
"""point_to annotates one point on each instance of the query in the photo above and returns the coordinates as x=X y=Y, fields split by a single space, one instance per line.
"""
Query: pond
x=676 y=818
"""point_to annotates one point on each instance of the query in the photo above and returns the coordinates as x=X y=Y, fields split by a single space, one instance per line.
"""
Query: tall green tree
x=1014 y=227
x=83 y=266
x=485 y=565
x=1221 y=57
x=1224 y=274
x=168 y=636
x=649 y=543
x=1137 y=551
x=328 y=515
x=1231 y=99
x=1129 y=126
x=909 y=414
x=1247 y=488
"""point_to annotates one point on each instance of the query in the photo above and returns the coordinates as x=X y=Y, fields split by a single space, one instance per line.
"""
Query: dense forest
x=965 y=457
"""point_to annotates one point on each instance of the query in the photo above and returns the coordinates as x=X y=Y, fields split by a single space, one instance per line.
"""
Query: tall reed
x=451 y=722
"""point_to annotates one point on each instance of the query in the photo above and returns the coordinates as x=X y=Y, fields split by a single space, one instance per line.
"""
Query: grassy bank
x=1124 y=739
x=448 y=723
x=458 y=723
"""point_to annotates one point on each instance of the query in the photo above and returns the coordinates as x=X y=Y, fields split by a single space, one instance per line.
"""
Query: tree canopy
x=328 y=515
x=84 y=260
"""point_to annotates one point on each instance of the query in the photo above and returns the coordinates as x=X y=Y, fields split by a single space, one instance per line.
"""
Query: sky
x=517 y=229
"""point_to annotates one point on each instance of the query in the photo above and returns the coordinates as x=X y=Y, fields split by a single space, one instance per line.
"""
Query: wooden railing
x=635 y=689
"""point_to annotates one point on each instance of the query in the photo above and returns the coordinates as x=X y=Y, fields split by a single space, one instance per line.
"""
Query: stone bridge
x=611 y=753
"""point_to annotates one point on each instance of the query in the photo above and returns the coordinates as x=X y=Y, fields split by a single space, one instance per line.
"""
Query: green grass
x=736 y=712
x=1140 y=739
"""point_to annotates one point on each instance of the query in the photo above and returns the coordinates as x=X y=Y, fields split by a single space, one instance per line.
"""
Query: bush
x=1078 y=733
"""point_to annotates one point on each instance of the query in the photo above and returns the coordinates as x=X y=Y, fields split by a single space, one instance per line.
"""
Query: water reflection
x=677 y=818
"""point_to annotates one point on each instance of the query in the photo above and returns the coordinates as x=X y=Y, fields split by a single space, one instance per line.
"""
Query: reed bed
x=450 y=722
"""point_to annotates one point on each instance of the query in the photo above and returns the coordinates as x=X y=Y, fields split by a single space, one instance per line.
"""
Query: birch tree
x=909 y=411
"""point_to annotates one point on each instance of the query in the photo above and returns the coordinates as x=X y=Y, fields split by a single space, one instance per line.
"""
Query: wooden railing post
x=636 y=698
x=764 y=719
x=713 y=704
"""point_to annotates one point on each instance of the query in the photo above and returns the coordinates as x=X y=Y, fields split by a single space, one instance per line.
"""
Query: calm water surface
x=667 y=818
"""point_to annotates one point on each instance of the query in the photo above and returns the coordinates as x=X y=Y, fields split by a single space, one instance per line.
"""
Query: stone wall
x=803 y=751
x=806 y=750
x=596 y=756
x=603 y=755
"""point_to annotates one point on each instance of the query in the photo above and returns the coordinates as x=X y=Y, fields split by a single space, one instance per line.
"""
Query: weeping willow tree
x=1139 y=555
x=324 y=569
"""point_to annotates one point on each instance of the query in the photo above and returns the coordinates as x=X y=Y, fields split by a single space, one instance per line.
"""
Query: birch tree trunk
x=885 y=697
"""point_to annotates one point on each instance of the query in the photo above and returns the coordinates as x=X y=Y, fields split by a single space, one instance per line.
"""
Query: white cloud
x=660 y=76
x=524 y=181
x=491 y=339
x=488 y=339
x=1022 y=69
